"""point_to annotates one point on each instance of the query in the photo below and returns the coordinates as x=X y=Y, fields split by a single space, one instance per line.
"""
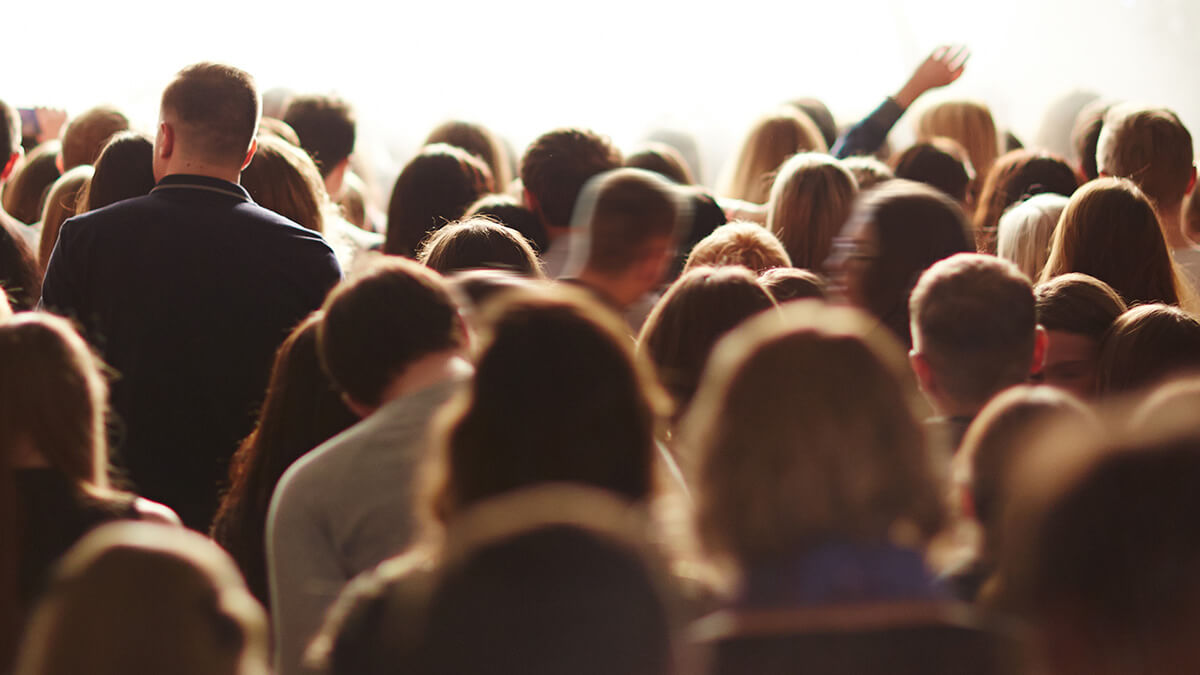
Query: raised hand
x=943 y=66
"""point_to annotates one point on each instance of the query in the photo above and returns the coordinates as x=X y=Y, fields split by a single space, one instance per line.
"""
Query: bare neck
x=425 y=372
x=182 y=164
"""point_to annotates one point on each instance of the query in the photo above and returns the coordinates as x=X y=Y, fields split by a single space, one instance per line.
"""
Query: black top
x=53 y=516
x=186 y=292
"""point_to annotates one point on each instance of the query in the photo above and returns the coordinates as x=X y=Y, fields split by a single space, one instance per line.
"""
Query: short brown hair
x=88 y=133
x=1149 y=146
x=217 y=107
x=621 y=213
x=556 y=166
x=940 y=162
x=1146 y=344
x=479 y=243
x=380 y=322
x=739 y=243
x=973 y=320
x=325 y=126
x=1077 y=303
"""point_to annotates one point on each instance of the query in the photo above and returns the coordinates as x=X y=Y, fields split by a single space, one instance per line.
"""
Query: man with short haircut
x=975 y=333
x=1152 y=147
x=188 y=291
x=393 y=342
x=326 y=127
x=626 y=227
x=87 y=134
x=554 y=170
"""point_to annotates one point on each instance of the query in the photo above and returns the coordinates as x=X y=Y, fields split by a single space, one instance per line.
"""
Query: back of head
x=325 y=126
x=273 y=126
x=699 y=308
x=557 y=397
x=788 y=283
x=125 y=169
x=479 y=243
x=1149 y=146
x=867 y=171
x=969 y=123
x=1109 y=230
x=770 y=141
x=810 y=200
x=819 y=113
x=20 y=275
x=25 y=192
x=805 y=430
x=749 y=245
x=214 y=109
x=974 y=323
x=1097 y=559
x=663 y=160
x=556 y=599
x=433 y=189
x=1024 y=232
x=62 y=202
x=940 y=162
x=510 y=212
x=142 y=598
x=383 y=320
x=1147 y=344
x=906 y=227
x=1086 y=134
x=10 y=132
x=623 y=216
x=1015 y=176
x=87 y=134
x=284 y=179
x=1079 y=304
x=480 y=142
x=556 y=166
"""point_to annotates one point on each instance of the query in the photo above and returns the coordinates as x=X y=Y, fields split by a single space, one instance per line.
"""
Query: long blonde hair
x=969 y=123
x=770 y=141
x=810 y=200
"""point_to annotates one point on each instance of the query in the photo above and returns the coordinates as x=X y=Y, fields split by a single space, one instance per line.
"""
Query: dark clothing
x=53 y=516
x=186 y=292
x=865 y=137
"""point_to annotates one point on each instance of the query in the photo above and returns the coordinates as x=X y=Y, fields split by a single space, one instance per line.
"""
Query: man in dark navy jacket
x=188 y=291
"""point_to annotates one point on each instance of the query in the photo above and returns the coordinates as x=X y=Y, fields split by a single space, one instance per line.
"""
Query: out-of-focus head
x=479 y=141
x=1109 y=230
x=974 y=329
x=1147 y=344
x=433 y=189
x=125 y=169
x=25 y=193
x=624 y=219
x=1025 y=230
x=479 y=243
x=895 y=232
x=510 y=212
x=62 y=202
x=10 y=140
x=145 y=598
x=1015 y=176
x=558 y=396
x=326 y=127
x=383 y=320
x=867 y=171
x=805 y=430
x=969 y=123
x=556 y=166
x=788 y=283
x=212 y=112
x=1152 y=148
x=810 y=201
x=940 y=162
x=87 y=134
x=1058 y=124
x=1076 y=310
x=272 y=126
x=284 y=179
x=1086 y=134
x=53 y=397
x=662 y=159
x=749 y=245
x=696 y=311
x=819 y=113
x=770 y=141
x=19 y=271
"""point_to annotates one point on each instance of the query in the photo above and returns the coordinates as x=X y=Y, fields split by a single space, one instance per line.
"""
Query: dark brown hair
x=479 y=243
x=556 y=166
x=25 y=193
x=939 y=162
x=124 y=169
x=283 y=178
x=1077 y=303
x=433 y=189
x=1015 y=176
x=510 y=212
x=325 y=126
x=1147 y=344
x=480 y=142
x=217 y=108
x=624 y=211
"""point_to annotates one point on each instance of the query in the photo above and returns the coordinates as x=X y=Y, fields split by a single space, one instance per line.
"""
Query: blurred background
x=620 y=67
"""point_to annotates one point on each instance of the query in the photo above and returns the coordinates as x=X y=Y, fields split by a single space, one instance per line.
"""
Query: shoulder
x=315 y=473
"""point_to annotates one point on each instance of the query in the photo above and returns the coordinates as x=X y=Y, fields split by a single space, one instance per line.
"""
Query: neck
x=1172 y=225
x=621 y=290
x=425 y=372
x=193 y=167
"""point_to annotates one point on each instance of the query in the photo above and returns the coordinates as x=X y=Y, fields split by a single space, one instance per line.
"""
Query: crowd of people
x=854 y=409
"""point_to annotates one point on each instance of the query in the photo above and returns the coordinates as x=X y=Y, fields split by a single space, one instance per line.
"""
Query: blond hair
x=739 y=243
x=810 y=201
x=969 y=123
x=770 y=141
x=62 y=202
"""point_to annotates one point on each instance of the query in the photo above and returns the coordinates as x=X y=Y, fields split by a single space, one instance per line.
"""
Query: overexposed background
x=620 y=67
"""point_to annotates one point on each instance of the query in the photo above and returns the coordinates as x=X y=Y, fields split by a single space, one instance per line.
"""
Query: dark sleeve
x=59 y=287
x=868 y=135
